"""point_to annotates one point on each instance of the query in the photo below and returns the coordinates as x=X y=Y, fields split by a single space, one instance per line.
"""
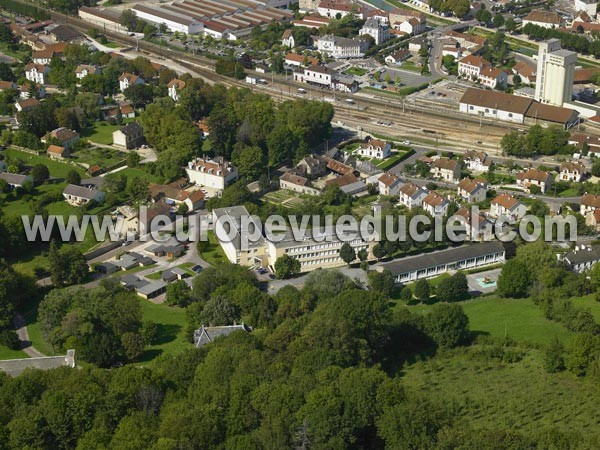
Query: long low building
x=104 y=17
x=513 y=108
x=433 y=264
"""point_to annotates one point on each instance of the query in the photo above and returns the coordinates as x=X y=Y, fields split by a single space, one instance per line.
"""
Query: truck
x=251 y=80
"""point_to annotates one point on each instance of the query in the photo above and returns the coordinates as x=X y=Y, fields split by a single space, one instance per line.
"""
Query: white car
x=405 y=142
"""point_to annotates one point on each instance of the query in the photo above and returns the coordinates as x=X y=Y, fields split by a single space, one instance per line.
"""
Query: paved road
x=26 y=345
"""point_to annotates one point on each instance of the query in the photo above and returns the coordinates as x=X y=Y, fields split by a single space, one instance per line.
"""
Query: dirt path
x=26 y=345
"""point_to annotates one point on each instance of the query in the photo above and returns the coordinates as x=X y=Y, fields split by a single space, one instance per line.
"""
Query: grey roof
x=321 y=234
x=232 y=216
x=96 y=182
x=179 y=271
x=421 y=262
x=14 y=367
x=132 y=128
x=168 y=275
x=80 y=191
x=13 y=178
x=206 y=335
x=151 y=288
x=354 y=188
x=133 y=281
x=145 y=260
x=585 y=255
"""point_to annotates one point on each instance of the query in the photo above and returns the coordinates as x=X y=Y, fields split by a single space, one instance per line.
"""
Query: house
x=26 y=90
x=433 y=264
x=338 y=8
x=6 y=85
x=57 y=152
x=582 y=258
x=389 y=184
x=128 y=79
x=129 y=136
x=38 y=73
x=337 y=167
x=312 y=166
x=287 y=40
x=84 y=70
x=589 y=204
x=585 y=142
x=342 y=48
x=175 y=87
x=78 y=195
x=65 y=137
x=492 y=77
x=397 y=57
x=295 y=59
x=397 y=16
x=472 y=191
x=415 y=45
x=344 y=83
x=411 y=26
x=587 y=7
x=317 y=75
x=374 y=148
x=469 y=41
x=446 y=169
x=435 y=204
x=411 y=195
x=477 y=161
x=15 y=180
x=507 y=205
x=152 y=289
x=195 y=200
x=215 y=174
x=542 y=18
x=534 y=177
x=206 y=335
x=471 y=66
x=526 y=71
x=297 y=183
x=378 y=30
x=571 y=171
x=27 y=104
x=477 y=227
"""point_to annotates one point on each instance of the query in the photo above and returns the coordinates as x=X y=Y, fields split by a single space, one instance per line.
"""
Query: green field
x=100 y=133
x=135 y=172
x=7 y=353
x=56 y=168
x=572 y=192
x=357 y=71
x=172 y=329
x=212 y=252
x=519 y=396
x=520 y=320
x=102 y=156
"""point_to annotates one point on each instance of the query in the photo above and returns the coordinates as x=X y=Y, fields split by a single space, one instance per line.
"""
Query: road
x=23 y=335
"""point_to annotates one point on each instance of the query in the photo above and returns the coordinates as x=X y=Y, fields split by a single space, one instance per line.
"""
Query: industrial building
x=555 y=73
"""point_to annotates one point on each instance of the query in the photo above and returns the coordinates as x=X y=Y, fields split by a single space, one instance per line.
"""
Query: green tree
x=178 y=293
x=422 y=290
x=139 y=189
x=406 y=294
x=452 y=289
x=133 y=159
x=39 y=173
x=383 y=282
x=219 y=310
x=133 y=345
x=553 y=356
x=286 y=267
x=73 y=177
x=498 y=20
x=514 y=280
x=347 y=253
x=447 y=324
x=510 y=24
x=582 y=350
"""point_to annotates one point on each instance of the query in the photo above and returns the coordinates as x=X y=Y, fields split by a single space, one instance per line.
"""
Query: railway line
x=407 y=119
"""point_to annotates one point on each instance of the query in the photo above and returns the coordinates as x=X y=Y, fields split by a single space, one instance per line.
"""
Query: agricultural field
x=283 y=197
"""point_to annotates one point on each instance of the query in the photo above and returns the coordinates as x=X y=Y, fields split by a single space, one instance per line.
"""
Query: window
x=487 y=110
x=510 y=115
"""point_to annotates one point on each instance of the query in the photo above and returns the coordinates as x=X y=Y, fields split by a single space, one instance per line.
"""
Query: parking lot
x=447 y=93
x=406 y=77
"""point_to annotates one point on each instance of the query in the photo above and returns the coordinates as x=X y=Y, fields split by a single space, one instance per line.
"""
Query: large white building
x=555 y=73
x=174 y=21
x=38 y=73
x=340 y=47
x=378 y=30
x=212 y=174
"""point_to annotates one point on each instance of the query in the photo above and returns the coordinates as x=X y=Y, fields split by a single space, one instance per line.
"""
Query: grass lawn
x=571 y=192
x=104 y=157
x=409 y=65
x=172 y=329
x=211 y=251
x=588 y=302
x=135 y=172
x=100 y=133
x=520 y=396
x=56 y=168
x=520 y=319
x=34 y=330
x=390 y=162
x=7 y=353
x=357 y=71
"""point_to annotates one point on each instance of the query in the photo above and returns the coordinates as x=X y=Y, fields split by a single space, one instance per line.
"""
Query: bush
x=9 y=338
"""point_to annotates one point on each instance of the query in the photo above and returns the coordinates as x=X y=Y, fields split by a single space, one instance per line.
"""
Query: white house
x=15 y=180
x=128 y=79
x=477 y=161
x=296 y=183
x=209 y=173
x=534 y=177
x=542 y=18
x=37 y=73
x=397 y=57
x=411 y=26
x=526 y=71
x=589 y=6
x=571 y=171
x=330 y=8
x=389 y=184
x=436 y=204
x=295 y=59
x=319 y=75
x=175 y=87
x=411 y=195
x=589 y=204
x=374 y=148
x=378 y=30
x=507 y=205
x=471 y=66
x=472 y=191
x=341 y=47
x=446 y=169
x=477 y=227
x=78 y=195
x=492 y=77
x=287 y=40
x=84 y=70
